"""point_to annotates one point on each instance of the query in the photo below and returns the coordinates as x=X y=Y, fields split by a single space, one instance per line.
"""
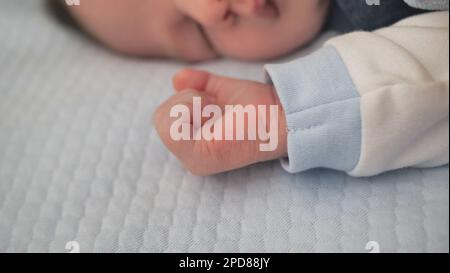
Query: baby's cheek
x=136 y=41
x=116 y=30
x=186 y=42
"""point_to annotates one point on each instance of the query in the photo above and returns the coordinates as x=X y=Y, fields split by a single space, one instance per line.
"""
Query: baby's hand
x=203 y=157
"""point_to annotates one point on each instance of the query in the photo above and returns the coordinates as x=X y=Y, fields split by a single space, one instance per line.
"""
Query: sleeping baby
x=371 y=100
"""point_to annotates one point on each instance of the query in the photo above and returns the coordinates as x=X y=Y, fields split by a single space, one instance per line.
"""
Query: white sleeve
x=370 y=102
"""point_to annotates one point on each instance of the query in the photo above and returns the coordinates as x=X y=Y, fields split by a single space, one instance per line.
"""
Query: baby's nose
x=210 y=12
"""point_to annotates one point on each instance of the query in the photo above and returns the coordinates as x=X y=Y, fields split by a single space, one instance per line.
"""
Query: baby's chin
x=258 y=54
x=265 y=51
x=267 y=47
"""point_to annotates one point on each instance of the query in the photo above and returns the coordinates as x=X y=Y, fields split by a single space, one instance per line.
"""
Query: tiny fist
x=215 y=124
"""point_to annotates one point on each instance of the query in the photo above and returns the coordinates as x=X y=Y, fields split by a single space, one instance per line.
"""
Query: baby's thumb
x=173 y=121
x=211 y=84
x=190 y=79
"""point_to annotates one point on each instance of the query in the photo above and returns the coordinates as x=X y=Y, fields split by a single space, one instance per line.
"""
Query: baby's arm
x=370 y=102
x=366 y=103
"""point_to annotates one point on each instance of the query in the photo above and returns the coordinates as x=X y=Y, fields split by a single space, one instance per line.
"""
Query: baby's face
x=197 y=30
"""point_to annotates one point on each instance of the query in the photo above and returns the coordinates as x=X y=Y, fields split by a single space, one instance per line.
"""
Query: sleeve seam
x=357 y=97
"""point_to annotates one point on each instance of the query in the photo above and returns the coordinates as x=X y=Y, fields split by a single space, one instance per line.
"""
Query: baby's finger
x=175 y=117
x=190 y=79
x=210 y=83
x=164 y=117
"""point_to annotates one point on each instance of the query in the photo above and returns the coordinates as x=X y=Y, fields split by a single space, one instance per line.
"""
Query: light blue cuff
x=428 y=4
x=322 y=109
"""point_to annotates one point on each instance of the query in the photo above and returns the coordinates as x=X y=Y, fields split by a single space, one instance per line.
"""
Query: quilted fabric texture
x=80 y=160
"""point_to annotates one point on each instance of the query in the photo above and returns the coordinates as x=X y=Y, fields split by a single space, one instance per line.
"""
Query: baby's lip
x=266 y=9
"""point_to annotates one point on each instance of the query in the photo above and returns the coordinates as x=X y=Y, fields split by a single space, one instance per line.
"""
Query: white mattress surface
x=80 y=161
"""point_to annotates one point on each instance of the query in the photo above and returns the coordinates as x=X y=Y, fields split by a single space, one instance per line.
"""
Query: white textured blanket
x=80 y=161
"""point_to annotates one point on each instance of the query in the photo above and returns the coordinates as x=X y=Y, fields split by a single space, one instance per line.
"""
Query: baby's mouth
x=266 y=9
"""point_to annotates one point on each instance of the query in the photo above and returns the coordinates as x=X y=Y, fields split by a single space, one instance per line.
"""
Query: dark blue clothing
x=351 y=15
